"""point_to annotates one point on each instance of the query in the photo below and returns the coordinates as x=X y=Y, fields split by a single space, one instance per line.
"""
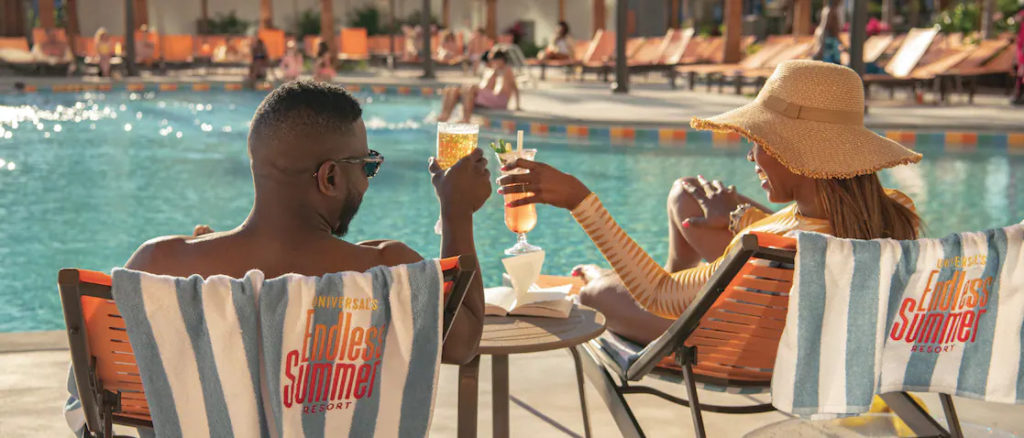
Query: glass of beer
x=454 y=141
x=522 y=219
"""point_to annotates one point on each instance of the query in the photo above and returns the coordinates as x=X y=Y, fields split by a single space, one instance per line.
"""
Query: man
x=311 y=166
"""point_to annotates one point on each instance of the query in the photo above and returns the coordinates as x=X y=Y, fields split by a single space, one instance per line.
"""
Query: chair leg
x=608 y=390
x=583 y=397
x=911 y=413
x=691 y=393
x=952 y=420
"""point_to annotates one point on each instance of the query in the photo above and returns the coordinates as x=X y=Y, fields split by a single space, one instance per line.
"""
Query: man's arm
x=464 y=336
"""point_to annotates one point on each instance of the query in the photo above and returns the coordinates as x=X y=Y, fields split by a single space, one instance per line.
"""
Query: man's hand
x=547 y=185
x=715 y=199
x=201 y=229
x=464 y=187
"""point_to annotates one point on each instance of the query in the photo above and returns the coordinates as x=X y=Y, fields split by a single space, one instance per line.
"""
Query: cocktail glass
x=522 y=219
x=454 y=141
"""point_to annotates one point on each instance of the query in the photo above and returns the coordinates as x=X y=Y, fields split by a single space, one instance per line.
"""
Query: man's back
x=234 y=253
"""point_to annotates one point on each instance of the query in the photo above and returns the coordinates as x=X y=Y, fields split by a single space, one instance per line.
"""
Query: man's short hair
x=297 y=109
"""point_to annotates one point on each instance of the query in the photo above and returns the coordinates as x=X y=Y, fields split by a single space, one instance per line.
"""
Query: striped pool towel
x=346 y=354
x=874 y=316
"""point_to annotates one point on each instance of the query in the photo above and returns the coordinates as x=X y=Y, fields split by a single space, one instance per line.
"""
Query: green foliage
x=307 y=23
x=368 y=17
x=529 y=48
x=966 y=17
x=414 y=19
x=227 y=24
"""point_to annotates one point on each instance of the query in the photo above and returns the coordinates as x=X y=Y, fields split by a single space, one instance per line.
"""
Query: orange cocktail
x=522 y=219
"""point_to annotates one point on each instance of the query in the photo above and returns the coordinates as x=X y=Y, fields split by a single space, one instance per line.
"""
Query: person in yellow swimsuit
x=810 y=149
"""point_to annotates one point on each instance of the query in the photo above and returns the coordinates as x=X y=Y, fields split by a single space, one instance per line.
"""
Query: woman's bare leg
x=468 y=102
x=449 y=98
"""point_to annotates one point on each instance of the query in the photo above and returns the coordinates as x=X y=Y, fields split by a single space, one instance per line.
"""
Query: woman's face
x=776 y=180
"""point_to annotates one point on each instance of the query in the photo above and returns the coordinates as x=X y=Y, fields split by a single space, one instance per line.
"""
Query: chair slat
x=780 y=301
x=753 y=309
x=762 y=285
x=726 y=314
x=742 y=329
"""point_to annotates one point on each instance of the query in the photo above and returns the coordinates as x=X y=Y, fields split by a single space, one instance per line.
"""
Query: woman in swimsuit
x=561 y=47
x=323 y=70
x=260 y=61
x=291 y=62
x=494 y=91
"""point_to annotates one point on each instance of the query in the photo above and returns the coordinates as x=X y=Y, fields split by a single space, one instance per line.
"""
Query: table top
x=529 y=334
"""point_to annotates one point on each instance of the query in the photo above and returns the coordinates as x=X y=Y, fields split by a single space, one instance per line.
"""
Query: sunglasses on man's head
x=371 y=163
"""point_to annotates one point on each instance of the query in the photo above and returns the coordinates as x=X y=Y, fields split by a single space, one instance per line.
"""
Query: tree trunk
x=327 y=27
x=446 y=14
x=46 y=14
x=561 y=10
x=673 y=14
x=71 y=21
x=204 y=16
x=988 y=8
x=266 y=14
x=12 y=23
x=733 y=30
x=141 y=14
x=491 y=21
x=802 y=24
x=599 y=16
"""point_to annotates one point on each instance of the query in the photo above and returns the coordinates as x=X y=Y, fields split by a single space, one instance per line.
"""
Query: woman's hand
x=546 y=184
x=716 y=200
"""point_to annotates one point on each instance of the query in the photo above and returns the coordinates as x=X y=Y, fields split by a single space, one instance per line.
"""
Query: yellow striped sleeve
x=664 y=294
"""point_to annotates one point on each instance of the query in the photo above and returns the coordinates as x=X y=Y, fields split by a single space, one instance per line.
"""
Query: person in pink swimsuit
x=494 y=90
x=291 y=62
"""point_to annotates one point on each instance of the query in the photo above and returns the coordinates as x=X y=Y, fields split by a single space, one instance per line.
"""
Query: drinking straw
x=519 y=143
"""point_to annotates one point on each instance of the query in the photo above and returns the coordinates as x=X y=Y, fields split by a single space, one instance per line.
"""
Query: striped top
x=668 y=294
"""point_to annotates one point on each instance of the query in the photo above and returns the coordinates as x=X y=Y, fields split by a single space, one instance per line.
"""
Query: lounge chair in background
x=663 y=59
x=274 y=41
x=711 y=72
x=16 y=54
x=800 y=47
x=898 y=69
x=601 y=49
x=352 y=44
x=579 y=49
x=991 y=57
x=177 y=50
x=106 y=375
x=51 y=62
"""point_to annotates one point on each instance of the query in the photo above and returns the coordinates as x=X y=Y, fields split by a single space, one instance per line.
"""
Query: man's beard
x=348 y=212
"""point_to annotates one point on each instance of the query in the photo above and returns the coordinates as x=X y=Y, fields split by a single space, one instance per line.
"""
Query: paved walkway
x=33 y=369
x=652 y=102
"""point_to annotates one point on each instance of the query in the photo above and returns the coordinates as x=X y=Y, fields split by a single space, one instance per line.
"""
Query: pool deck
x=33 y=369
x=650 y=102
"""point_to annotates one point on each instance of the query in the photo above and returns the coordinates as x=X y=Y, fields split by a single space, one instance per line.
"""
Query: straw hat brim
x=819 y=150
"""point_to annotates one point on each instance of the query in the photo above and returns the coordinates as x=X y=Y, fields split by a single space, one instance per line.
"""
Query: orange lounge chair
x=910 y=54
x=46 y=62
x=875 y=47
x=106 y=375
x=177 y=49
x=726 y=341
x=352 y=44
x=274 y=41
x=990 y=57
x=15 y=52
x=579 y=49
x=595 y=59
x=801 y=47
x=772 y=47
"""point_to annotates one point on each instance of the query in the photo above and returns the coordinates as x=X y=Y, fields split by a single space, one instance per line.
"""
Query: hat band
x=797 y=111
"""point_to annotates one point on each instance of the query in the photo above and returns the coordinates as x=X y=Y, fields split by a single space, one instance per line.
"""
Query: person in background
x=494 y=90
x=104 y=50
x=449 y=51
x=477 y=48
x=827 y=46
x=561 y=47
x=54 y=51
x=260 y=61
x=291 y=62
x=323 y=68
x=145 y=47
x=411 y=51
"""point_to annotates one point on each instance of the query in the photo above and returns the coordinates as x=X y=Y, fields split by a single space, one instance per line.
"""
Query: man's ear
x=327 y=180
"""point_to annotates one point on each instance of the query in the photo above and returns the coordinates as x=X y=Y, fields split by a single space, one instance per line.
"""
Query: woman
x=260 y=61
x=291 y=62
x=827 y=46
x=450 y=51
x=104 y=50
x=810 y=149
x=494 y=91
x=323 y=69
x=561 y=47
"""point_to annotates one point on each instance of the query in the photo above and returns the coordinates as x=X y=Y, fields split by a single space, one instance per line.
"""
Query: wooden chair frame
x=106 y=375
x=679 y=340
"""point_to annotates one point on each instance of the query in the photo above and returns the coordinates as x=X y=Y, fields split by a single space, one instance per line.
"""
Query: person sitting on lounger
x=449 y=52
x=494 y=91
x=311 y=167
x=810 y=149
x=105 y=50
x=53 y=51
x=561 y=47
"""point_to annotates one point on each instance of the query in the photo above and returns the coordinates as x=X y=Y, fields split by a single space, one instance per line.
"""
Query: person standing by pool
x=311 y=167
x=104 y=51
x=291 y=62
x=494 y=90
x=323 y=68
x=827 y=46
x=260 y=61
x=811 y=149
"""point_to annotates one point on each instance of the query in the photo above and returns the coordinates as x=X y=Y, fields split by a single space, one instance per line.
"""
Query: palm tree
x=327 y=26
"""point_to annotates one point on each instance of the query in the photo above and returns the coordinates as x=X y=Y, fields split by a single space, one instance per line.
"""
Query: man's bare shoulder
x=155 y=253
x=392 y=252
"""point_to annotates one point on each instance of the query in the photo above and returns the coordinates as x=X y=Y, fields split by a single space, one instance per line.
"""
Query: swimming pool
x=85 y=178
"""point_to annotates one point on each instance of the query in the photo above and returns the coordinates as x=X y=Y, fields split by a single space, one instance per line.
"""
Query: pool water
x=85 y=178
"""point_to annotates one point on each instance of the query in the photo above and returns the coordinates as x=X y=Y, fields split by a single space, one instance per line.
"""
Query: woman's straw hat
x=810 y=117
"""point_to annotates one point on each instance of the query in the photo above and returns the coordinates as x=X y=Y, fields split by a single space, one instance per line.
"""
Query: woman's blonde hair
x=859 y=208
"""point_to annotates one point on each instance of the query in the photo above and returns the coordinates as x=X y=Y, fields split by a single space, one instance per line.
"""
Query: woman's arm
x=510 y=81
